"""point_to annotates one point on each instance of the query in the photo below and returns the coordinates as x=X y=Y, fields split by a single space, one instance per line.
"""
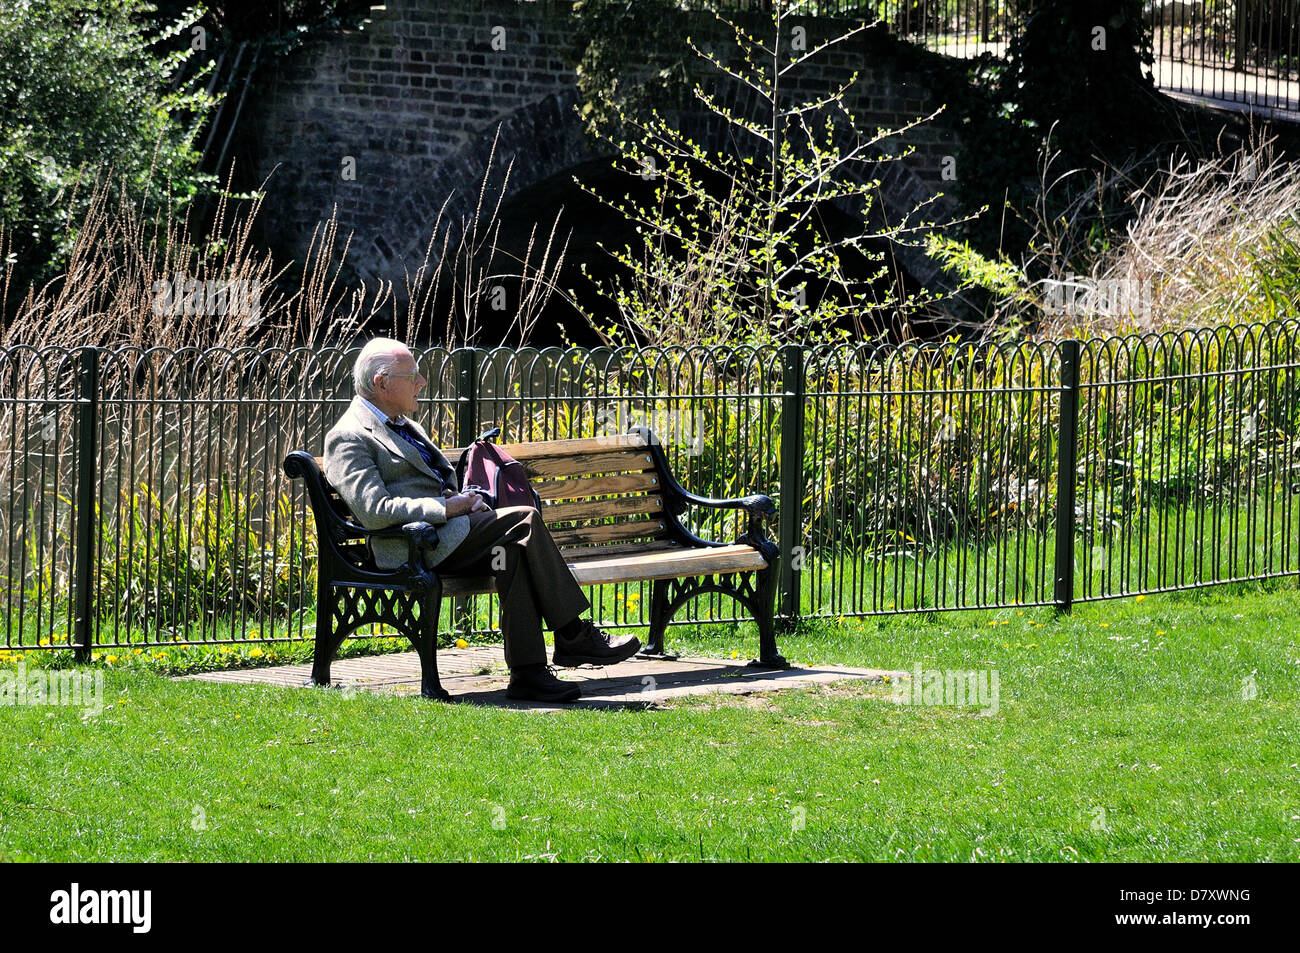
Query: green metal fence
x=147 y=502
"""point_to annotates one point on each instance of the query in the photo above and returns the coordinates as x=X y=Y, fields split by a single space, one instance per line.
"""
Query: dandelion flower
x=462 y=644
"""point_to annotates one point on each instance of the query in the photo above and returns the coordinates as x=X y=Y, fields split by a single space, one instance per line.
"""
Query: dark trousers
x=514 y=546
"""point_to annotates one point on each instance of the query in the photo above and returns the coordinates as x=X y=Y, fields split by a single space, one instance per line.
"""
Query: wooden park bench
x=612 y=505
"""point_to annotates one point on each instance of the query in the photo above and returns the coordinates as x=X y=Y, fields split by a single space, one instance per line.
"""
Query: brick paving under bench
x=478 y=675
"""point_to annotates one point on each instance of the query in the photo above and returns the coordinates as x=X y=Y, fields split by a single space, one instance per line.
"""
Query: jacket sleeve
x=352 y=469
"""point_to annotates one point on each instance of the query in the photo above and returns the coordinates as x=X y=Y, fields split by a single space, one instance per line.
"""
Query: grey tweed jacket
x=385 y=482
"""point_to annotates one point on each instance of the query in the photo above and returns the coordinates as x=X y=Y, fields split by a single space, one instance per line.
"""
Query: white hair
x=379 y=355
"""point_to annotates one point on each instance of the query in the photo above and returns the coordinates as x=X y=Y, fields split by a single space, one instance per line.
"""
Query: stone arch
x=544 y=138
x=541 y=138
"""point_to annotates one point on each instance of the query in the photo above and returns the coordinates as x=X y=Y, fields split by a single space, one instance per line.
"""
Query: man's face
x=398 y=389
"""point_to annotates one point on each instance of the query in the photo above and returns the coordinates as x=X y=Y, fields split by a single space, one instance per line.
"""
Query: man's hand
x=459 y=504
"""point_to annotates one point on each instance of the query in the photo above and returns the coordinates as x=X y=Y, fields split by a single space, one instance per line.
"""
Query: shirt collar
x=379 y=414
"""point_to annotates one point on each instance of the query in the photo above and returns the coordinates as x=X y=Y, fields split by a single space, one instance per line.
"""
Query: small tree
x=730 y=240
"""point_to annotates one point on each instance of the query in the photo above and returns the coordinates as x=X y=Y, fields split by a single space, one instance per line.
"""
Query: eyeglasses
x=415 y=373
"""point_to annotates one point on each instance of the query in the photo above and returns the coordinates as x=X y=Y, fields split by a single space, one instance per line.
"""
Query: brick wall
x=388 y=121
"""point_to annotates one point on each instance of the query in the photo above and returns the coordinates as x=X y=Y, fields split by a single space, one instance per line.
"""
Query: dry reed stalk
x=1189 y=252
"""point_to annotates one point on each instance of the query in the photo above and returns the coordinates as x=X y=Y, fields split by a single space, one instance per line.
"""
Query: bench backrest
x=597 y=493
x=600 y=495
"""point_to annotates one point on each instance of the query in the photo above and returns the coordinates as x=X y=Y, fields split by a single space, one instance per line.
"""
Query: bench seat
x=669 y=562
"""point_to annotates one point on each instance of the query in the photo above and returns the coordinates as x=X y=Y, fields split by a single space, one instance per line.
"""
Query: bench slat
x=582 y=553
x=468 y=586
x=529 y=450
x=665 y=565
x=659 y=564
x=589 y=464
x=582 y=488
x=611 y=532
x=601 y=509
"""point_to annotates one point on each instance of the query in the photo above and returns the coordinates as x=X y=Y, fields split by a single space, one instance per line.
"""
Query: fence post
x=466 y=362
x=83 y=634
x=1066 y=455
x=791 y=462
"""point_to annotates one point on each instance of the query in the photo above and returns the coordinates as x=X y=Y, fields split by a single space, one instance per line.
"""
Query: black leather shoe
x=537 y=683
x=591 y=646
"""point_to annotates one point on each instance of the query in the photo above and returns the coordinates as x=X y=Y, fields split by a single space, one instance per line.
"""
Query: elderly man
x=386 y=469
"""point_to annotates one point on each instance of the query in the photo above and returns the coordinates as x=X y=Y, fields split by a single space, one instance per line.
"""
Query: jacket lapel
x=389 y=439
x=439 y=460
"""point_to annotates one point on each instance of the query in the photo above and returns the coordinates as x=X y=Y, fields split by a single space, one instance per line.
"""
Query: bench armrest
x=759 y=506
x=756 y=504
x=419 y=536
x=335 y=526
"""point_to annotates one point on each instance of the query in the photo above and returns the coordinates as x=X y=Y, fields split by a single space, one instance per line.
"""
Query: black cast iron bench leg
x=427 y=645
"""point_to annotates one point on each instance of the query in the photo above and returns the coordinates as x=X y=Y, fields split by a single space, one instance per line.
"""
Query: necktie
x=404 y=431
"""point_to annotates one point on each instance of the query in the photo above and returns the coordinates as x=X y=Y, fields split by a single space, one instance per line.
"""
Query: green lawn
x=1125 y=732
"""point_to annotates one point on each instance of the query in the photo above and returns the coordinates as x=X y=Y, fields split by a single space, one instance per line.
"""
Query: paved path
x=1270 y=97
x=478 y=675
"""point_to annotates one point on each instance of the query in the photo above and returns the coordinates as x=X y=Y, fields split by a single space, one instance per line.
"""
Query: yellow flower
x=1105 y=625
x=111 y=659
x=462 y=644
x=137 y=651
x=43 y=642
x=735 y=655
x=255 y=652
x=1138 y=598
